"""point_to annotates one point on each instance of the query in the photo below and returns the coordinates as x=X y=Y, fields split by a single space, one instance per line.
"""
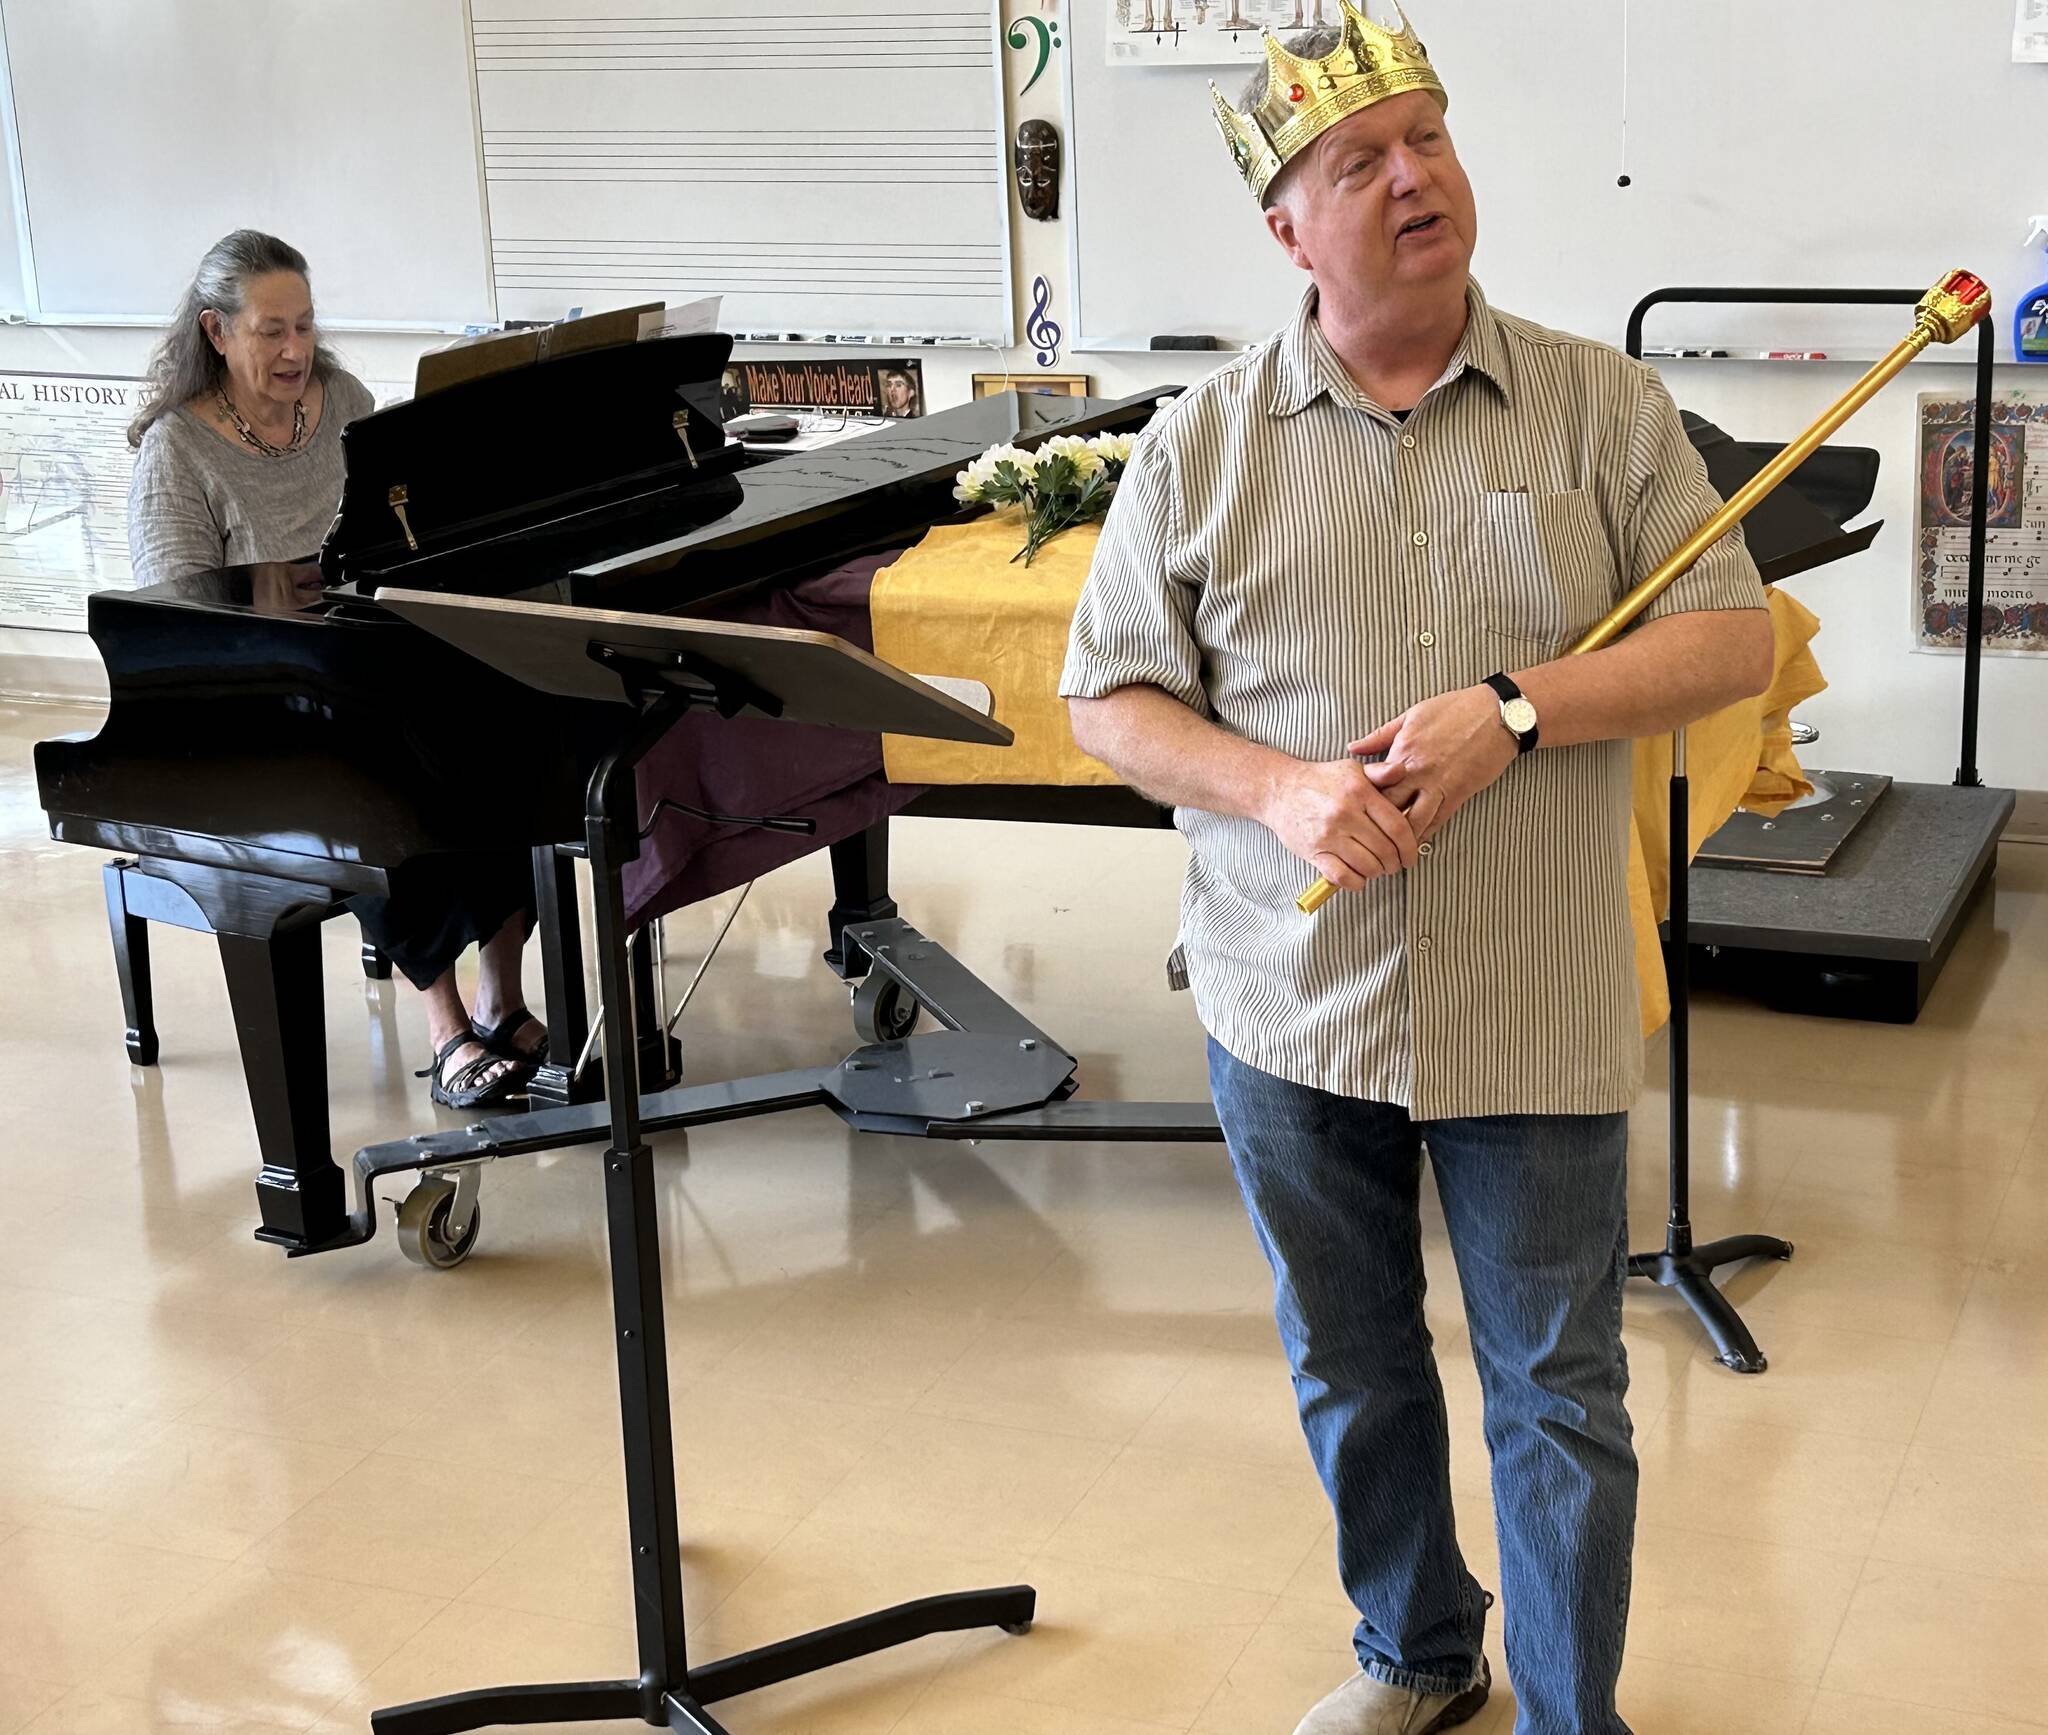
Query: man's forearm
x=1160 y=747
x=1656 y=679
x=1328 y=814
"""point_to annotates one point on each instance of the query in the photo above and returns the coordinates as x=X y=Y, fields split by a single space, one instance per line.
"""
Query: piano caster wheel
x=1017 y=1629
x=423 y=1226
x=882 y=1011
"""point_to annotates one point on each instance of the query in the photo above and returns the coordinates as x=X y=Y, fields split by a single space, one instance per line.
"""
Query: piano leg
x=131 y=963
x=661 y=1055
x=860 y=893
x=280 y=1017
x=561 y=964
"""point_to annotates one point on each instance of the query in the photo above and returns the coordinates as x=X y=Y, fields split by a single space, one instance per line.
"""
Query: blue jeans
x=1536 y=1208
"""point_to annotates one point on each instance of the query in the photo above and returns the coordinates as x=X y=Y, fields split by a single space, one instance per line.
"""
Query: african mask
x=1038 y=169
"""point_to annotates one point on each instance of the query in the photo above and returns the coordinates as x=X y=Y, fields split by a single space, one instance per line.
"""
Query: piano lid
x=478 y=460
x=605 y=479
x=858 y=493
x=1799 y=525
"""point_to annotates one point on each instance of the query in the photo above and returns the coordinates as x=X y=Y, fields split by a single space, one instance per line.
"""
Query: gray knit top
x=197 y=501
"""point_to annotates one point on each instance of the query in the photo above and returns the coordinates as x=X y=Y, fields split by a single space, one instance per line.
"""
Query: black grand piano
x=278 y=741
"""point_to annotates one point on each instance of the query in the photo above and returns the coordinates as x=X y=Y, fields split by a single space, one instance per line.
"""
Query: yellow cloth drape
x=956 y=605
x=1738 y=757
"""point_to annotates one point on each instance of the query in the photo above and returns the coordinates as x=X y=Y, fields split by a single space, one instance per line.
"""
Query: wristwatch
x=1517 y=715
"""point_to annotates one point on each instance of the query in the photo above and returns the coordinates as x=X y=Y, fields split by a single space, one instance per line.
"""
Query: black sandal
x=461 y=1090
x=498 y=1038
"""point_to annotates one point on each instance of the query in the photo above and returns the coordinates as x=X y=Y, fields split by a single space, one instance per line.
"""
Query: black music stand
x=1682 y=1263
x=660 y=667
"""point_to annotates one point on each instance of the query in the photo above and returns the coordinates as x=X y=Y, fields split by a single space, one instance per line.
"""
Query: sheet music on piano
x=829 y=166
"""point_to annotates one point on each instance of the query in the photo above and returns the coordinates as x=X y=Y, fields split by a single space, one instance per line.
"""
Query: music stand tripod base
x=1691 y=1273
x=1680 y=1265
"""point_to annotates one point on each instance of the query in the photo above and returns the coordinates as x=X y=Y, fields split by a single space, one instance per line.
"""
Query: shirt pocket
x=1546 y=569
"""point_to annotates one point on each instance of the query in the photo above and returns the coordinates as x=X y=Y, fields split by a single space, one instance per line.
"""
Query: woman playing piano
x=239 y=460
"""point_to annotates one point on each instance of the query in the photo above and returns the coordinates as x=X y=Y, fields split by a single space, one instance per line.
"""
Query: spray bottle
x=2030 y=319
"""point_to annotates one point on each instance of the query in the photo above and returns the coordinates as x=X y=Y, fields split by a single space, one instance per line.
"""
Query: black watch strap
x=1506 y=690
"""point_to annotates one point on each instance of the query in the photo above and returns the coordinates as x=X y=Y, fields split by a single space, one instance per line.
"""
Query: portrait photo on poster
x=893 y=388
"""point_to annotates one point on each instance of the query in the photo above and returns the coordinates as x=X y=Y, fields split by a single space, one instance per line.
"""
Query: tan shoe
x=1364 y=1706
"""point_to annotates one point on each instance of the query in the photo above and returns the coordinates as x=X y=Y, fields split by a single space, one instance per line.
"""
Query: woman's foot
x=516 y=1036
x=466 y=1075
x=465 y=1071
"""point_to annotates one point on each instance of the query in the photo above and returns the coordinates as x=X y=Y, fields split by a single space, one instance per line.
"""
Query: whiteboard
x=827 y=166
x=148 y=129
x=1864 y=143
x=835 y=167
x=17 y=297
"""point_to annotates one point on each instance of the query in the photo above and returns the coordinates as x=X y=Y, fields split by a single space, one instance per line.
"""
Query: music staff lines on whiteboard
x=826 y=165
x=811 y=269
x=937 y=40
x=906 y=154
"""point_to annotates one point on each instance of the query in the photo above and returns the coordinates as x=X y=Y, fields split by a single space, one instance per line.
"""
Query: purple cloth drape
x=753 y=766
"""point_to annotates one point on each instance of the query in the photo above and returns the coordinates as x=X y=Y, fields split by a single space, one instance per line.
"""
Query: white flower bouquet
x=1067 y=481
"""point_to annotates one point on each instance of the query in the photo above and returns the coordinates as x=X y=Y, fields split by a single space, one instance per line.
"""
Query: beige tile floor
x=239 y=1493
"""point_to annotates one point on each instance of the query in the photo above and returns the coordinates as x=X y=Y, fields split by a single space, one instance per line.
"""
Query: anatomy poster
x=1204 y=32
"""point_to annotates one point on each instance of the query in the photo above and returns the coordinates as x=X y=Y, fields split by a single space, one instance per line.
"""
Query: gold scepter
x=1946 y=312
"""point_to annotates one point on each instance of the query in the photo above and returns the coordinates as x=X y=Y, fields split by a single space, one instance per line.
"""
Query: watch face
x=1518 y=714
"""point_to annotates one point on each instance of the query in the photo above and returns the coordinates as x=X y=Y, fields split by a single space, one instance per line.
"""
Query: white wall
x=1888 y=708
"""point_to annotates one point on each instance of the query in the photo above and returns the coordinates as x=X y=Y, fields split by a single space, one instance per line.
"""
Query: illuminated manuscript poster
x=2016 y=539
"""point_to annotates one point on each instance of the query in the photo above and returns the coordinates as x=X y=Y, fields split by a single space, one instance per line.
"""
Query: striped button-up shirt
x=1298 y=565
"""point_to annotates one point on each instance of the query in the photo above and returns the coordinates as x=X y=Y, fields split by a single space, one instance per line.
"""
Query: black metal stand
x=1967 y=775
x=1681 y=1265
x=668 y=1692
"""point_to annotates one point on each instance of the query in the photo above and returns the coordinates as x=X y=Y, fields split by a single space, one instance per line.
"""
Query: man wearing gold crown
x=1327 y=619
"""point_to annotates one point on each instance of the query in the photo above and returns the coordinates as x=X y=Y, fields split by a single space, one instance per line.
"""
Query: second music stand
x=657 y=667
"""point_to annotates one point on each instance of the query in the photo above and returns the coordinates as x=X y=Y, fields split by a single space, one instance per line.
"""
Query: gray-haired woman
x=238 y=460
x=239 y=436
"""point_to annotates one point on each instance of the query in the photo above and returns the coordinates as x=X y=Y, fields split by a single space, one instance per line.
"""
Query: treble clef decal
x=1041 y=332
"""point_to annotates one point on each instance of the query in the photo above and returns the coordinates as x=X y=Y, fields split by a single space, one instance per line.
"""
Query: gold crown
x=1305 y=98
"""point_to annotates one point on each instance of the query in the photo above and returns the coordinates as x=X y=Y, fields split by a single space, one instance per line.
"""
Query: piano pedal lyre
x=682 y=427
x=398 y=497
